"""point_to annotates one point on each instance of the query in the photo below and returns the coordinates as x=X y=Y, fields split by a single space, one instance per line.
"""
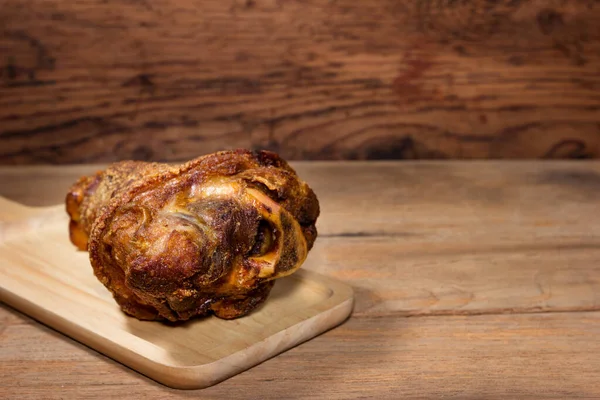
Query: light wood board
x=43 y=275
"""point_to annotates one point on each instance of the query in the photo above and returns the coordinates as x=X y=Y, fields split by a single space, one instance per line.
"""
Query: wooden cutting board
x=44 y=276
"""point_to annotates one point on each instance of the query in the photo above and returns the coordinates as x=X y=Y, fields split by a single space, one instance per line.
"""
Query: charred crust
x=231 y=308
x=177 y=286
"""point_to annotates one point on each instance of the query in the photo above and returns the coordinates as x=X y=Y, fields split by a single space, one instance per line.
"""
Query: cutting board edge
x=195 y=377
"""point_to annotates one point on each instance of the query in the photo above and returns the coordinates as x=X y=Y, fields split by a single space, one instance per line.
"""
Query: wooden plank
x=459 y=202
x=492 y=203
x=551 y=355
x=394 y=278
x=96 y=80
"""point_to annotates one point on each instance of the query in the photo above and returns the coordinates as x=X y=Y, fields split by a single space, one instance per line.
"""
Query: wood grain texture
x=97 y=81
x=472 y=279
x=551 y=356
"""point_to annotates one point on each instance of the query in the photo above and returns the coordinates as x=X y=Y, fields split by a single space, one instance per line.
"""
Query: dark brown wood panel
x=101 y=80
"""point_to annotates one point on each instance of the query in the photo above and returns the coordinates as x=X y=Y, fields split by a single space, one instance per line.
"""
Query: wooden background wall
x=101 y=80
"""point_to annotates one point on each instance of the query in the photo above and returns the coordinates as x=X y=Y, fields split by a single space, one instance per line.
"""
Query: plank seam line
x=477 y=313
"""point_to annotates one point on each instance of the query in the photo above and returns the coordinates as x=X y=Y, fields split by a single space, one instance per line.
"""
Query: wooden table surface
x=472 y=279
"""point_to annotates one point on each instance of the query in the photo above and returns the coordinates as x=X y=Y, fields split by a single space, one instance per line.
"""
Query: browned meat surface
x=209 y=236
